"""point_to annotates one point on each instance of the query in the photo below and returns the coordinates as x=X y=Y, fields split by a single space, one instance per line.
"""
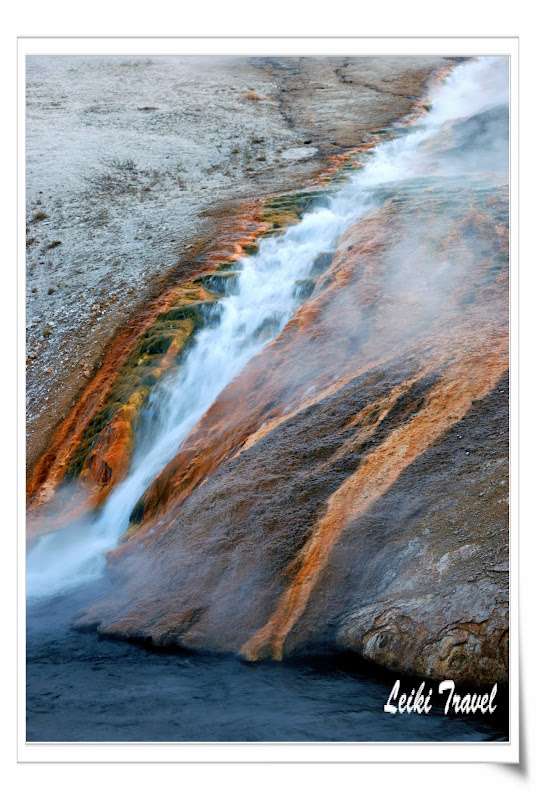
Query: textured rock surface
x=349 y=488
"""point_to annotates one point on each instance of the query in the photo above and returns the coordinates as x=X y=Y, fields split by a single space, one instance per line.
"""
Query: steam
x=266 y=298
x=469 y=89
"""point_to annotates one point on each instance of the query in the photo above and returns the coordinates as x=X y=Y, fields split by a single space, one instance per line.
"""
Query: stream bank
x=133 y=166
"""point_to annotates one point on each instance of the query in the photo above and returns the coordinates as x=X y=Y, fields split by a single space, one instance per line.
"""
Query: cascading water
x=262 y=302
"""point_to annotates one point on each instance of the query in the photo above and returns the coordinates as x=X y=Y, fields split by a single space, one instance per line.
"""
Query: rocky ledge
x=349 y=489
x=134 y=166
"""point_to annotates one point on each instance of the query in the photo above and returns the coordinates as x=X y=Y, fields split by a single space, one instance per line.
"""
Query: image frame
x=255 y=752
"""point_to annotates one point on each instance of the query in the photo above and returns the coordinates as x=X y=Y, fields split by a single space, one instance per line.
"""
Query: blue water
x=84 y=688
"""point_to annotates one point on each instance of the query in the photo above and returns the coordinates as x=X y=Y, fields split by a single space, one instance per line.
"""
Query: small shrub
x=126 y=164
x=39 y=216
x=52 y=245
x=251 y=96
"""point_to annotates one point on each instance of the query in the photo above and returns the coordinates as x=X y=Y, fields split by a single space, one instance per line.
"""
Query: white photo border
x=266 y=752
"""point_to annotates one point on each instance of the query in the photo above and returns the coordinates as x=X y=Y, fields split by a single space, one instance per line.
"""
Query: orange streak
x=52 y=466
x=448 y=402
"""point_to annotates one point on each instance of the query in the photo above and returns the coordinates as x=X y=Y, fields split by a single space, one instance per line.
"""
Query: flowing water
x=62 y=565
